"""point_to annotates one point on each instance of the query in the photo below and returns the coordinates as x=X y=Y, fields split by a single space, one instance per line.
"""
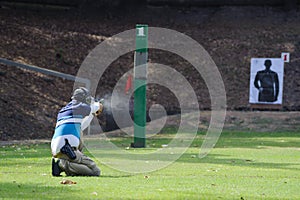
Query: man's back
x=68 y=125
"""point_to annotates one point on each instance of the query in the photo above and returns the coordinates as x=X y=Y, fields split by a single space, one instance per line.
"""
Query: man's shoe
x=55 y=168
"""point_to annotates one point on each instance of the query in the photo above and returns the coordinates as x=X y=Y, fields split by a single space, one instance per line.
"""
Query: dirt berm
x=61 y=40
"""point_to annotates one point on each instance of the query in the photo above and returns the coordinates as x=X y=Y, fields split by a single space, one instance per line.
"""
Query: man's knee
x=97 y=171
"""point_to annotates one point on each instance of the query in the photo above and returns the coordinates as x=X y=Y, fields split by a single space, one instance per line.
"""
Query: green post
x=140 y=81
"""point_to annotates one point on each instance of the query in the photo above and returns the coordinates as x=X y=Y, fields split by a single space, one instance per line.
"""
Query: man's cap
x=81 y=94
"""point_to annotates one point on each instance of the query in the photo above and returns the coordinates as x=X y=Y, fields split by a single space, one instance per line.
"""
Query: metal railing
x=85 y=81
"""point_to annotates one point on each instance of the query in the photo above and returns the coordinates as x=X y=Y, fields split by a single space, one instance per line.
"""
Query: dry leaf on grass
x=66 y=181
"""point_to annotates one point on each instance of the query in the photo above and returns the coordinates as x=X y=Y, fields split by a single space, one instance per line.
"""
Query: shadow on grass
x=222 y=159
x=219 y=159
x=116 y=176
x=15 y=190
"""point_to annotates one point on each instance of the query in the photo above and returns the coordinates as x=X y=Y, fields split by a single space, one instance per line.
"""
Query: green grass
x=241 y=166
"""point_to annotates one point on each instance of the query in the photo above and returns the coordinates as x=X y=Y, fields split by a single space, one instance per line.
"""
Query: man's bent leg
x=81 y=166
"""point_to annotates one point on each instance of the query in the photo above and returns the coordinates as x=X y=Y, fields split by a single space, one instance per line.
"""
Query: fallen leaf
x=94 y=193
x=66 y=181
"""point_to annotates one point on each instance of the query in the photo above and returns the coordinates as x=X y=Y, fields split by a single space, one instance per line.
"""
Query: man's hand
x=99 y=111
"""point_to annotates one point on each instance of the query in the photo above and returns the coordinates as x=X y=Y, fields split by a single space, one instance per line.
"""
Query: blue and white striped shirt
x=68 y=125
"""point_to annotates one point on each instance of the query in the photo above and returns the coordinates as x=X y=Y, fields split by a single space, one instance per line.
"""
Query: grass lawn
x=241 y=166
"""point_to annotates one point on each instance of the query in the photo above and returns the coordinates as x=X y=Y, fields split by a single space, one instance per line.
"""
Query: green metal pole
x=140 y=81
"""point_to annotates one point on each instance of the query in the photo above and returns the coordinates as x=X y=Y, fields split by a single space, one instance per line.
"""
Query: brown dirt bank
x=61 y=40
